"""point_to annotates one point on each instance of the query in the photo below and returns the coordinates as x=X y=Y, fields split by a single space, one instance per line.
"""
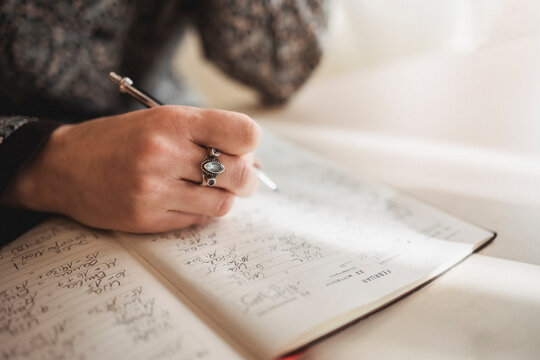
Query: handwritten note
x=68 y=292
x=282 y=264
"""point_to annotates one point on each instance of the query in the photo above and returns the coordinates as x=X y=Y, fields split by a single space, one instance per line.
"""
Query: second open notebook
x=280 y=271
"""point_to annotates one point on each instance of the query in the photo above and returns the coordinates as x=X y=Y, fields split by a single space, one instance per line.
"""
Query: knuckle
x=169 y=112
x=192 y=117
x=224 y=204
x=176 y=118
x=151 y=147
x=250 y=131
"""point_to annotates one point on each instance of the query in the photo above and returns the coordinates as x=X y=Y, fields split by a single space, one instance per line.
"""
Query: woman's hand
x=140 y=171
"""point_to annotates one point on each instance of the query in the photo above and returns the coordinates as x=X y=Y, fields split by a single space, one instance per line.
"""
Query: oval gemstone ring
x=211 y=167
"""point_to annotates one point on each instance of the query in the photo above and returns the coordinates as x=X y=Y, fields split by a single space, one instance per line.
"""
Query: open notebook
x=280 y=271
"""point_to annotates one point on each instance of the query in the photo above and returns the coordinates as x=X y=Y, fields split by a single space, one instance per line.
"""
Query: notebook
x=280 y=271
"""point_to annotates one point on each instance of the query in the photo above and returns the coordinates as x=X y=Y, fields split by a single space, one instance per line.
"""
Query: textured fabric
x=9 y=124
x=55 y=56
x=270 y=45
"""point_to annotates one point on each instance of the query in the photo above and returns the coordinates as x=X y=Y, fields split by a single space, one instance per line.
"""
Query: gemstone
x=214 y=167
x=211 y=182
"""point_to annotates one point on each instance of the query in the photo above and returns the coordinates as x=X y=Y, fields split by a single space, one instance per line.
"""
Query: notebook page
x=69 y=292
x=282 y=264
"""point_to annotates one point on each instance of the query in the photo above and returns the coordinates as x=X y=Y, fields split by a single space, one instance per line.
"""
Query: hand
x=140 y=171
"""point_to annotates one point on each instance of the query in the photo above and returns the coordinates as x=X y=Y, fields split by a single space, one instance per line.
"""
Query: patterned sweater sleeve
x=272 y=46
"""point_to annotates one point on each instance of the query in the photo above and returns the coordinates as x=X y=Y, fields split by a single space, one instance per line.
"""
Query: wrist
x=30 y=188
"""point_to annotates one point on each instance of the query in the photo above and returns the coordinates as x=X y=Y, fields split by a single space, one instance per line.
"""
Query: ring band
x=211 y=167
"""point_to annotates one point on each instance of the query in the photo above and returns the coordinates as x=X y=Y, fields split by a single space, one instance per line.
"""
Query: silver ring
x=211 y=167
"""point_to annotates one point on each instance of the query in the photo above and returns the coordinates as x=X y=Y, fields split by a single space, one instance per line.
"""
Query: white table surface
x=461 y=132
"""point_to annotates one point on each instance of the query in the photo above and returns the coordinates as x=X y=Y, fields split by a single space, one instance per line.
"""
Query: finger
x=238 y=176
x=230 y=132
x=192 y=198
